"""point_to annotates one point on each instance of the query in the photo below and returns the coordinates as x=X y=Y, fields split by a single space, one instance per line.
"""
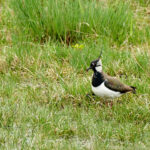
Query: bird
x=106 y=86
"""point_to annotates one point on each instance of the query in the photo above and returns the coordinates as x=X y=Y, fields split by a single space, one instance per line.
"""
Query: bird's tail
x=134 y=89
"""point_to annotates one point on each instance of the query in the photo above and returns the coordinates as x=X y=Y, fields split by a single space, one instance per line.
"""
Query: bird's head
x=96 y=65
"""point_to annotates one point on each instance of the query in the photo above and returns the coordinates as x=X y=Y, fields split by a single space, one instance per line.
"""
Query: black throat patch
x=97 y=79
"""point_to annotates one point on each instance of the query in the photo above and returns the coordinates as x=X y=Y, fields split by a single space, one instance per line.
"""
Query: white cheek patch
x=98 y=68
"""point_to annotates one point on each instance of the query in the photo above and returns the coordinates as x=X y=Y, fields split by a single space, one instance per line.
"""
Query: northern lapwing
x=104 y=85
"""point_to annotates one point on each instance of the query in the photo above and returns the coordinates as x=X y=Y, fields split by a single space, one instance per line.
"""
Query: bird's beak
x=88 y=69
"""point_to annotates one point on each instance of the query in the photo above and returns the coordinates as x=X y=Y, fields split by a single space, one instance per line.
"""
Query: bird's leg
x=109 y=103
x=90 y=95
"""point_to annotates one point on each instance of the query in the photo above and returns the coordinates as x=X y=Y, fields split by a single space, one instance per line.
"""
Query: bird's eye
x=98 y=65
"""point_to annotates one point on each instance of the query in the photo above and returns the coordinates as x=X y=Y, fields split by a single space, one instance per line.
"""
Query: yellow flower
x=77 y=46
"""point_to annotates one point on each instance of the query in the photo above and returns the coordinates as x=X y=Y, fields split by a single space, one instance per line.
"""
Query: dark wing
x=115 y=85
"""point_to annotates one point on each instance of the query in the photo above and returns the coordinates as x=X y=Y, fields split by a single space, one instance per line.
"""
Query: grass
x=43 y=85
x=143 y=2
x=74 y=20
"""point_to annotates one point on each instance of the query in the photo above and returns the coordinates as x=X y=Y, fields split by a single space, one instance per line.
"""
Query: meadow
x=45 y=48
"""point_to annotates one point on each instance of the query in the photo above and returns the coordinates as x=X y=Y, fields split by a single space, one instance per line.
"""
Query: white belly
x=103 y=91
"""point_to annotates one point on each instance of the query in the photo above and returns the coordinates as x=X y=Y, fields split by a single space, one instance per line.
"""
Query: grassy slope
x=42 y=95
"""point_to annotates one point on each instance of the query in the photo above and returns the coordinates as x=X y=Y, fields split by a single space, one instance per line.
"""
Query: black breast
x=97 y=79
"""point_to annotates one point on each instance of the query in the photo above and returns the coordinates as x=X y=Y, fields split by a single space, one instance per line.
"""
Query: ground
x=44 y=83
